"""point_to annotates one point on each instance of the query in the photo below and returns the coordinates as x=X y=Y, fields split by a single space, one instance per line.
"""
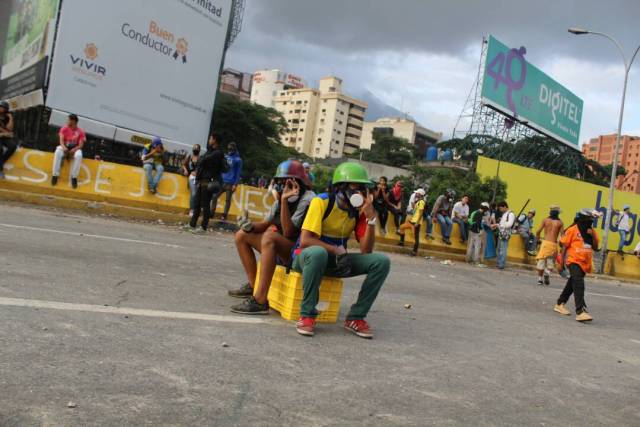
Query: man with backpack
x=332 y=218
x=476 y=232
x=273 y=238
x=505 y=229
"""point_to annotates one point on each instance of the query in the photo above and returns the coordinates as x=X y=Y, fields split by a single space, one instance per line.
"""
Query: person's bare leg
x=273 y=244
x=245 y=244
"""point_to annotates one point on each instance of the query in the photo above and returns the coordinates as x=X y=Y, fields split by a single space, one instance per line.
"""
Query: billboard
x=26 y=37
x=149 y=65
x=517 y=88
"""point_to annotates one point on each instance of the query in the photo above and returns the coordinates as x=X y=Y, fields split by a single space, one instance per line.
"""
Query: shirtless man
x=546 y=257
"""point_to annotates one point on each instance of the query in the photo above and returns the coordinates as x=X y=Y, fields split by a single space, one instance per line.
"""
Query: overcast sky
x=421 y=56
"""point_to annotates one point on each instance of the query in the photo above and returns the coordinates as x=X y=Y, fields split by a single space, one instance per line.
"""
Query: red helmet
x=293 y=169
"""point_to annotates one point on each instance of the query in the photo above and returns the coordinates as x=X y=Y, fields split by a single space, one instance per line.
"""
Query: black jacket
x=211 y=166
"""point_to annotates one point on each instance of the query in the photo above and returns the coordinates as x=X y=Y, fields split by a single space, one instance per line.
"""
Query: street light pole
x=614 y=168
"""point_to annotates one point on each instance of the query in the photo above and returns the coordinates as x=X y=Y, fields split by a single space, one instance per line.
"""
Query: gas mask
x=196 y=151
x=353 y=198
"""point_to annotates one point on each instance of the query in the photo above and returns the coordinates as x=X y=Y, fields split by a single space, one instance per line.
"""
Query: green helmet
x=351 y=173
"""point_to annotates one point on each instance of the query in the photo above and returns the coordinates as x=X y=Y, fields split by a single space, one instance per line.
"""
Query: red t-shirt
x=72 y=137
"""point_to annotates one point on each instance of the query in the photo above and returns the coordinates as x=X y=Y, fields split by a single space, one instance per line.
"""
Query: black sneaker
x=547 y=280
x=74 y=182
x=245 y=291
x=251 y=306
x=54 y=180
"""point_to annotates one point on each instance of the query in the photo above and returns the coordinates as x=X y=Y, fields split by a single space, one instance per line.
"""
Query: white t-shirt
x=506 y=220
x=623 y=223
x=460 y=210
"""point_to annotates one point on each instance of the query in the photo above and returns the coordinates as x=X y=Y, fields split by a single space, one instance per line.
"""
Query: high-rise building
x=323 y=122
x=419 y=136
x=236 y=83
x=601 y=150
x=268 y=83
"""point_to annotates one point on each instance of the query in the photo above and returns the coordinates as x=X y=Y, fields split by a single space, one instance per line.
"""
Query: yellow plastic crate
x=285 y=296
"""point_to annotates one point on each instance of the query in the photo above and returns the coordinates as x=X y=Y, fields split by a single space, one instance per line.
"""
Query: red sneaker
x=305 y=326
x=359 y=327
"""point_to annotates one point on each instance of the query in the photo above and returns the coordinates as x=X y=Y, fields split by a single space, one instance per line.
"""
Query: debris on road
x=72 y=405
x=446 y=262
x=407 y=306
x=431 y=276
x=225 y=345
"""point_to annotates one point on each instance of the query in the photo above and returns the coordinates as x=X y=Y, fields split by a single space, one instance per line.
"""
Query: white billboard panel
x=147 y=65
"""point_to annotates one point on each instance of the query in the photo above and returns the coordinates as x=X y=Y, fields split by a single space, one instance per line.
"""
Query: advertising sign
x=26 y=37
x=515 y=87
x=149 y=65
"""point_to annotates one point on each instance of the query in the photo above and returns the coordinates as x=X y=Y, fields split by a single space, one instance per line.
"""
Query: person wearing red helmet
x=274 y=238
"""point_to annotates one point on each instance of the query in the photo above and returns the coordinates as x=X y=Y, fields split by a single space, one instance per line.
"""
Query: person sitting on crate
x=274 y=237
x=331 y=219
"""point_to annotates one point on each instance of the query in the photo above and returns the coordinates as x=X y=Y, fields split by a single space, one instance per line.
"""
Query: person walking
x=476 y=233
x=189 y=170
x=7 y=143
x=578 y=243
x=230 y=179
x=442 y=214
x=624 y=227
x=71 y=140
x=380 y=203
x=331 y=220
x=461 y=216
x=505 y=229
x=415 y=221
x=546 y=257
x=153 y=159
x=208 y=180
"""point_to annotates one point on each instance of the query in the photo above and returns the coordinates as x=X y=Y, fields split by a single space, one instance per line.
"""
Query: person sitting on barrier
x=546 y=257
x=7 y=144
x=394 y=203
x=442 y=214
x=71 y=141
x=152 y=158
x=331 y=219
x=461 y=217
x=189 y=170
x=273 y=238
x=415 y=221
x=525 y=230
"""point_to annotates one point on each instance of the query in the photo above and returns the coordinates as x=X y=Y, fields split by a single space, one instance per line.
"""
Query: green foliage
x=388 y=150
x=256 y=130
x=323 y=176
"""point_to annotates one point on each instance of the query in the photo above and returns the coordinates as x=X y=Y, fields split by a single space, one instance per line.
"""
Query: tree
x=257 y=131
x=388 y=150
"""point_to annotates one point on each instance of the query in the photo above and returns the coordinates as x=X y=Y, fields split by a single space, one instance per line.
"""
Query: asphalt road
x=128 y=321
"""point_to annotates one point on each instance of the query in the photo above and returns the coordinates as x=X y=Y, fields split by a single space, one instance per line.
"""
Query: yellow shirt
x=418 y=212
x=336 y=228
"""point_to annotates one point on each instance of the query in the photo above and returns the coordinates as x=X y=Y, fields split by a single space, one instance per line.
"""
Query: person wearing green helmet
x=273 y=238
x=322 y=250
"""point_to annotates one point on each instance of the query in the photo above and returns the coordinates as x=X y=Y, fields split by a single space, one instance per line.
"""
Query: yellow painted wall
x=545 y=189
x=120 y=184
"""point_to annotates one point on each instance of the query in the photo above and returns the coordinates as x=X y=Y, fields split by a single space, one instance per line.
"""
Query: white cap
x=485 y=205
x=421 y=192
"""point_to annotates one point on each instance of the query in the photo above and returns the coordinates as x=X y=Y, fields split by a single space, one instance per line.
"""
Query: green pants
x=315 y=262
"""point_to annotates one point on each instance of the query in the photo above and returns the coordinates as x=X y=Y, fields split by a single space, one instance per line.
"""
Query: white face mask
x=356 y=200
x=293 y=199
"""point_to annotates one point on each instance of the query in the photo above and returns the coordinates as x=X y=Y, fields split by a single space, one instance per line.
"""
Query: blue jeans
x=429 y=224
x=153 y=181
x=503 y=245
x=193 y=190
x=623 y=239
x=445 y=225
x=463 y=228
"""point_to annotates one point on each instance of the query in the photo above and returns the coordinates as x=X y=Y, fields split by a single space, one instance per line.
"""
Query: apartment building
x=236 y=83
x=421 y=137
x=601 y=150
x=268 y=83
x=323 y=122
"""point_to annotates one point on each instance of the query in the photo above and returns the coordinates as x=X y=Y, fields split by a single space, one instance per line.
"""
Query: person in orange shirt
x=578 y=243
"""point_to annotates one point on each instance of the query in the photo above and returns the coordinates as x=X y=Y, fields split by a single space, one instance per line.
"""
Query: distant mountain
x=378 y=108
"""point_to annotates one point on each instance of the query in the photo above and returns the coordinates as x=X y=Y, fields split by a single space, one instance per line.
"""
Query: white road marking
x=614 y=296
x=94 y=236
x=635 y=341
x=53 y=305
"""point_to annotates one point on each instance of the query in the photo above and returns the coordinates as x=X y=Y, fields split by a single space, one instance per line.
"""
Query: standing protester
x=7 y=144
x=273 y=238
x=578 y=243
x=231 y=179
x=307 y=170
x=477 y=221
x=489 y=239
x=442 y=213
x=71 y=141
x=153 y=159
x=394 y=203
x=505 y=229
x=525 y=230
x=415 y=222
x=380 y=203
x=189 y=170
x=461 y=217
x=546 y=258
x=331 y=219
x=208 y=180
x=624 y=227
